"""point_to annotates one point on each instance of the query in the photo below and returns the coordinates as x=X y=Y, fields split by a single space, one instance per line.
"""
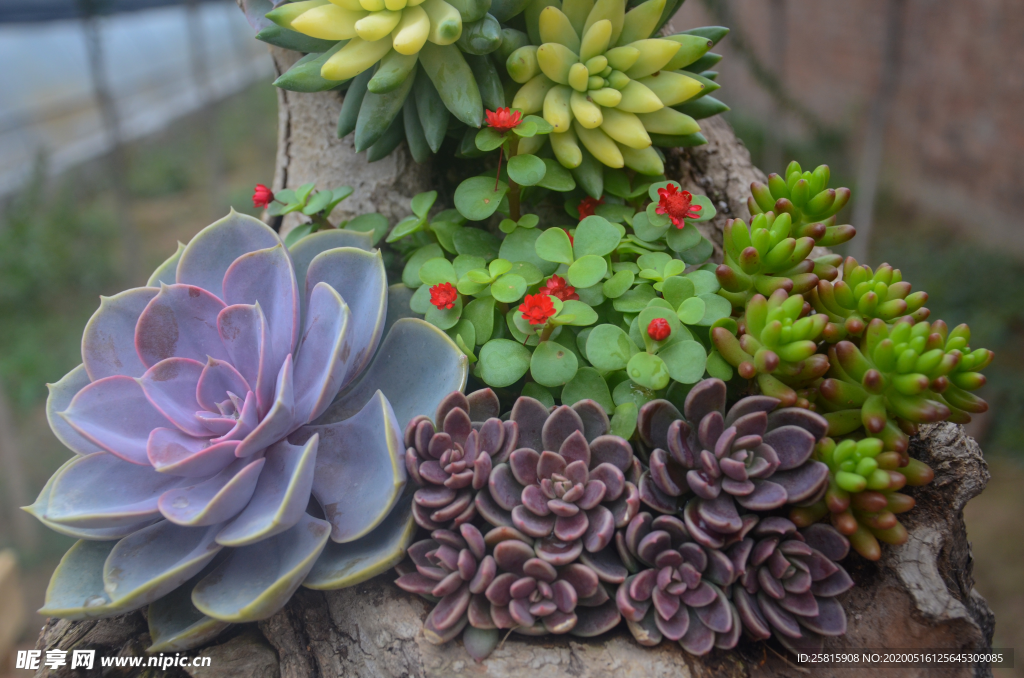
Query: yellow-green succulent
x=605 y=84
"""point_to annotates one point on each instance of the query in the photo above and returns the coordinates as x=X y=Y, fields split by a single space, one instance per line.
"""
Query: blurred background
x=127 y=125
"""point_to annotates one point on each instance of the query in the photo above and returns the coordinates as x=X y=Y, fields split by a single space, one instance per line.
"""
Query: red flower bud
x=443 y=296
x=262 y=196
x=659 y=329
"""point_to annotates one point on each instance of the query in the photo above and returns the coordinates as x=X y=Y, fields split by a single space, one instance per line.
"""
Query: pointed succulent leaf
x=208 y=255
x=166 y=272
x=108 y=342
x=58 y=400
x=180 y=322
x=360 y=471
x=305 y=250
x=254 y=582
x=416 y=367
x=343 y=565
x=175 y=624
x=214 y=500
x=76 y=588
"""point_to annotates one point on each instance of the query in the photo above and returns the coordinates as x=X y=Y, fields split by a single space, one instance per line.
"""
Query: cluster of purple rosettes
x=542 y=522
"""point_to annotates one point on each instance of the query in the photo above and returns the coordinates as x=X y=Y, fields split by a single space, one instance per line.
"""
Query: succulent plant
x=453 y=460
x=204 y=418
x=909 y=374
x=863 y=295
x=864 y=498
x=806 y=197
x=570 y=499
x=608 y=87
x=789 y=582
x=766 y=257
x=678 y=593
x=776 y=345
x=746 y=458
x=453 y=567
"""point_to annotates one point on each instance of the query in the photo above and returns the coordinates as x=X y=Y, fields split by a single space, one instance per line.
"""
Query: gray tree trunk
x=919 y=595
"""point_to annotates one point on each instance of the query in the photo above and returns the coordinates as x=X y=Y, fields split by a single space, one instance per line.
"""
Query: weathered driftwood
x=918 y=595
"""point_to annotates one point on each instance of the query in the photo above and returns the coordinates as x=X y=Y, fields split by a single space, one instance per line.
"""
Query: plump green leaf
x=464 y=263
x=717 y=367
x=411 y=272
x=678 y=289
x=691 y=311
x=422 y=202
x=532 y=389
x=480 y=276
x=646 y=231
x=543 y=126
x=582 y=313
x=499 y=267
x=520 y=245
x=556 y=178
x=465 y=329
x=699 y=253
x=682 y=239
x=628 y=391
x=552 y=364
x=649 y=371
x=420 y=301
x=297 y=234
x=444 y=318
x=318 y=202
x=480 y=312
x=436 y=271
x=657 y=220
x=715 y=308
x=595 y=235
x=527 y=128
x=685 y=361
x=527 y=271
x=588 y=384
x=502 y=362
x=374 y=223
x=707 y=211
x=406 y=227
x=489 y=139
x=592 y=296
x=526 y=170
x=635 y=300
x=553 y=245
x=476 y=242
x=476 y=197
x=623 y=422
x=508 y=288
x=528 y=221
x=609 y=348
x=587 y=270
x=618 y=284
x=704 y=282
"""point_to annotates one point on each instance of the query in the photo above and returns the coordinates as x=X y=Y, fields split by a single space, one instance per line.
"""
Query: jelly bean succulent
x=720 y=462
x=789 y=583
x=212 y=454
x=807 y=199
x=678 y=590
x=776 y=345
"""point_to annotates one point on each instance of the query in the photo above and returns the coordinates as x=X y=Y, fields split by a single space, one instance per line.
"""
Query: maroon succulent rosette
x=534 y=597
x=754 y=457
x=789 y=583
x=569 y=484
x=452 y=459
x=679 y=588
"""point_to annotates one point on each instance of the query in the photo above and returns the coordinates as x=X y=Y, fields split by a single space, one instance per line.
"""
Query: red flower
x=262 y=196
x=677 y=205
x=659 y=329
x=557 y=287
x=587 y=206
x=443 y=296
x=537 y=308
x=504 y=119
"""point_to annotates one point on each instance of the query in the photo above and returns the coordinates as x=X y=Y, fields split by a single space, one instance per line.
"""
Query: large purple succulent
x=746 y=457
x=204 y=417
x=568 y=484
x=453 y=459
x=678 y=590
x=789 y=583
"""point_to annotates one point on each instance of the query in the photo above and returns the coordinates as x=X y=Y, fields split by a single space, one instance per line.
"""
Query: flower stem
x=497 y=176
x=545 y=334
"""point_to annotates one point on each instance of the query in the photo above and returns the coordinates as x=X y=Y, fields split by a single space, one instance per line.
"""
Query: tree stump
x=919 y=595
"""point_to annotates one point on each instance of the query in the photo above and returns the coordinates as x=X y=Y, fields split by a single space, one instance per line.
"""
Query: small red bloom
x=677 y=205
x=537 y=308
x=503 y=119
x=659 y=329
x=568 y=234
x=443 y=296
x=587 y=206
x=262 y=196
x=557 y=287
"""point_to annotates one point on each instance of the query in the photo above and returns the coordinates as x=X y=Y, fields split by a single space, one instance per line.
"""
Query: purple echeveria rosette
x=452 y=459
x=205 y=416
x=679 y=588
x=569 y=485
x=789 y=583
x=754 y=457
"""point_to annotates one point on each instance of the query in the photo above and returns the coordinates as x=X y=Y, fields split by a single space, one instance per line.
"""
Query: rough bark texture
x=919 y=595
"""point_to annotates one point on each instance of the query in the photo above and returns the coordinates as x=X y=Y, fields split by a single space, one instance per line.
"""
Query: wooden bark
x=919 y=595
